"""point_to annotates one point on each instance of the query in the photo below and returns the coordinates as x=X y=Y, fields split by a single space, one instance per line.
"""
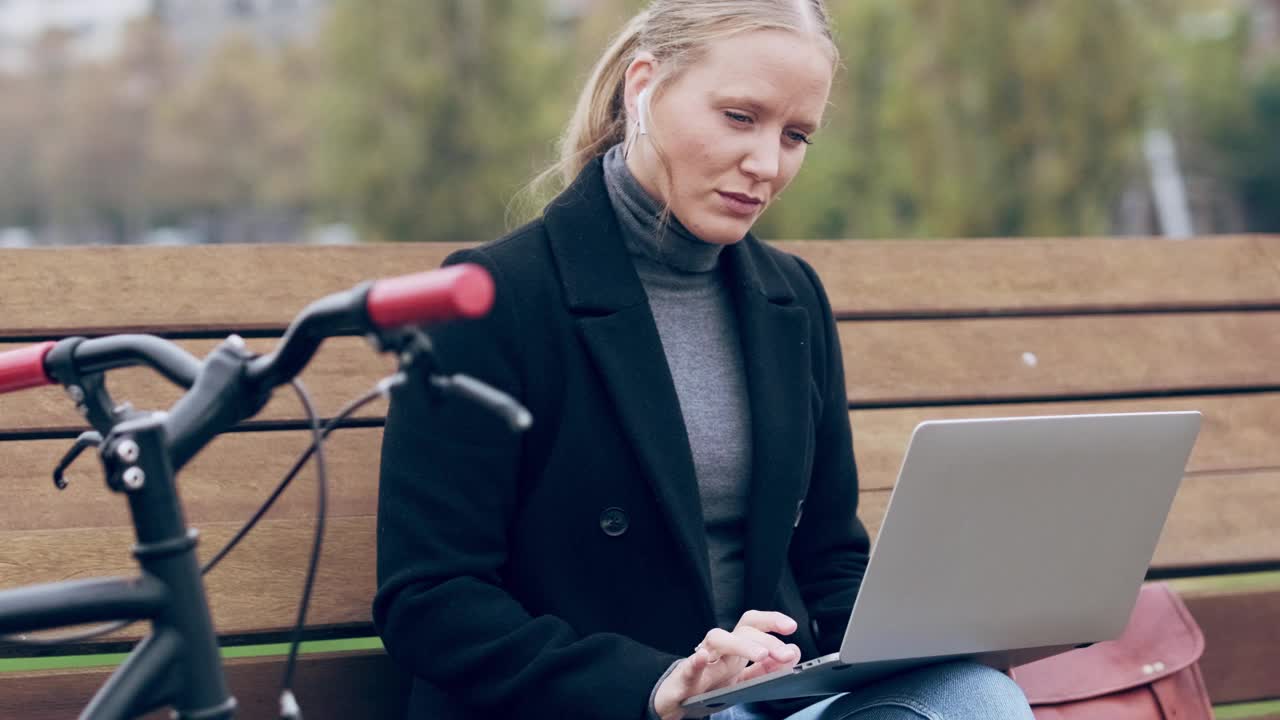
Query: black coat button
x=614 y=522
x=813 y=628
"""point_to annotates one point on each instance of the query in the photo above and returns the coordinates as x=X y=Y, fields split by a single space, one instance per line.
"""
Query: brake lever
x=88 y=439
x=415 y=354
x=517 y=417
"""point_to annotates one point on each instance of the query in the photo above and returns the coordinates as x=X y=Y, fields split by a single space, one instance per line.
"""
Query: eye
x=738 y=117
x=798 y=137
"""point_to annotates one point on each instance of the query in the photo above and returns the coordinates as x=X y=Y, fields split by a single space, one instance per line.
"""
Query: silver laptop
x=1006 y=540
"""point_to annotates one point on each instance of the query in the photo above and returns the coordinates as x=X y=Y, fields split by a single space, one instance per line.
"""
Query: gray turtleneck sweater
x=698 y=327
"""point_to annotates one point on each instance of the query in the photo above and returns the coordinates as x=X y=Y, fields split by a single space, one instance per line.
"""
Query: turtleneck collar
x=639 y=214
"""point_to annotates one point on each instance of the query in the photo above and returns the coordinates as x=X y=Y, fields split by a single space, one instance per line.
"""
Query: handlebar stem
x=222 y=396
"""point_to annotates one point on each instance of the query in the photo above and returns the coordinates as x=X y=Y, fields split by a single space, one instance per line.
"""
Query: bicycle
x=178 y=665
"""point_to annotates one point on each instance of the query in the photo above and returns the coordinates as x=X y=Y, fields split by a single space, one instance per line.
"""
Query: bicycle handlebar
x=458 y=291
x=455 y=292
x=24 y=368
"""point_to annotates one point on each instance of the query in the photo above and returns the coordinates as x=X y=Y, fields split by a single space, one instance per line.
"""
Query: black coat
x=559 y=573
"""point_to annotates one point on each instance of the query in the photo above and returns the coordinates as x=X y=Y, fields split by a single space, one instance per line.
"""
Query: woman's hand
x=726 y=658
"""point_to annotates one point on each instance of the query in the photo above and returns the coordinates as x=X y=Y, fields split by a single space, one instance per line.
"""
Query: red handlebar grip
x=457 y=291
x=24 y=368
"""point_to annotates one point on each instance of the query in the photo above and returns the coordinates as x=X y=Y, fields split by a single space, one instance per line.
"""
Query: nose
x=762 y=160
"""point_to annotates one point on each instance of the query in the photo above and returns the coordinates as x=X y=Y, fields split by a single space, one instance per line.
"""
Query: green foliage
x=436 y=113
x=1257 y=179
x=1224 y=102
x=236 y=134
x=987 y=117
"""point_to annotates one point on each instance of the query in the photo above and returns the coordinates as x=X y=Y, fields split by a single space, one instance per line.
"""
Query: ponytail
x=598 y=123
x=600 y=119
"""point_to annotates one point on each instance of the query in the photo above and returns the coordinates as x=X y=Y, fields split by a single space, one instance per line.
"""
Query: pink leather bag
x=1150 y=671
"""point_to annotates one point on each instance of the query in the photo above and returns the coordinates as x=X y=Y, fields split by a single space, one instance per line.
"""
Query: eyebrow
x=808 y=126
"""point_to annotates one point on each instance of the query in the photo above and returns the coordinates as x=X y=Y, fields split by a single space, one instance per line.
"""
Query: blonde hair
x=677 y=33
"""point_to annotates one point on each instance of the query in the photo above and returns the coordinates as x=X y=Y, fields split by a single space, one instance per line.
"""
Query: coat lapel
x=776 y=355
x=617 y=327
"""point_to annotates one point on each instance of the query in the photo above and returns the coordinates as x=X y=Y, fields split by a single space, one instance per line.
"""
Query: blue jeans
x=950 y=691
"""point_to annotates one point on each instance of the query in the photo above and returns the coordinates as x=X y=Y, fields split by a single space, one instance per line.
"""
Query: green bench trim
x=69 y=662
x=1267 y=708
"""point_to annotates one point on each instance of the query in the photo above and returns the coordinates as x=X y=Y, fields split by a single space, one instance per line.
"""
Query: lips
x=739 y=205
x=742 y=198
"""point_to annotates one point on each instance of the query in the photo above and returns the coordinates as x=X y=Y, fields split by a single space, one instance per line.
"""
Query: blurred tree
x=28 y=110
x=93 y=156
x=236 y=137
x=1224 y=103
x=1257 y=178
x=988 y=117
x=19 y=188
x=436 y=112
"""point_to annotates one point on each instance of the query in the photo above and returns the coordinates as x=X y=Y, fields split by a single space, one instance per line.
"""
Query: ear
x=640 y=75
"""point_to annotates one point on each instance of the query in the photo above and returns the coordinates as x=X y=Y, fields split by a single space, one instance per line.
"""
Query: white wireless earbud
x=642 y=110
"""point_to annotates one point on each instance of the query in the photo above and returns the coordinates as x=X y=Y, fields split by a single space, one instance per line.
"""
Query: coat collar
x=602 y=288
x=596 y=273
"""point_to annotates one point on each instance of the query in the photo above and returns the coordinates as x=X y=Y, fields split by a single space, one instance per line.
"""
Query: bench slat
x=1242 y=632
x=908 y=277
x=227 y=482
x=247 y=594
x=935 y=362
x=203 y=287
x=1237 y=432
x=187 y=289
x=329 y=686
x=1222 y=520
x=1217 y=520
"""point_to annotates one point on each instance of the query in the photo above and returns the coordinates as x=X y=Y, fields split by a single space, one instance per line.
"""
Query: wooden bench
x=930 y=329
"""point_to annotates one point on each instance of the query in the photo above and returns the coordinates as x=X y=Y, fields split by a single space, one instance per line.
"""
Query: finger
x=694 y=665
x=692 y=673
x=730 y=645
x=769 y=666
x=699 y=674
x=767 y=621
x=778 y=650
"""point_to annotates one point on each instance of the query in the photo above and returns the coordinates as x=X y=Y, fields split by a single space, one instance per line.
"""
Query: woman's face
x=733 y=127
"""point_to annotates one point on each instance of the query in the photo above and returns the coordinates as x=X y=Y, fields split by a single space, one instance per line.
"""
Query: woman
x=686 y=498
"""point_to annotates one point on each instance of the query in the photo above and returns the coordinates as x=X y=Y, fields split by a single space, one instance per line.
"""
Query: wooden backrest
x=930 y=329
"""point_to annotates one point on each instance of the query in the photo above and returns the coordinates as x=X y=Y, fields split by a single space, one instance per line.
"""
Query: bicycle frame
x=178 y=663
